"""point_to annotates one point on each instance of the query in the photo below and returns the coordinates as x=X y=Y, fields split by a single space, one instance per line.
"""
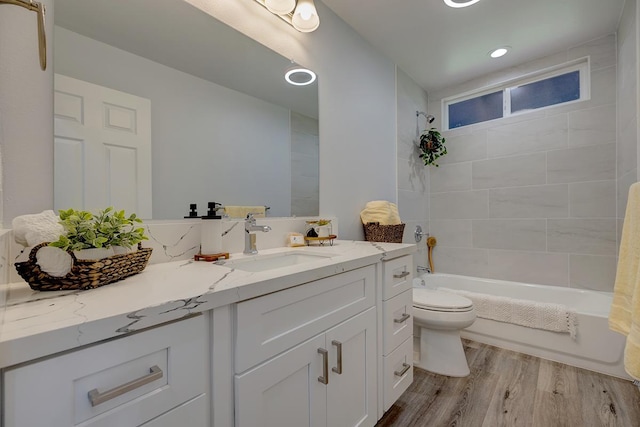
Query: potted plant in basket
x=98 y=236
x=431 y=146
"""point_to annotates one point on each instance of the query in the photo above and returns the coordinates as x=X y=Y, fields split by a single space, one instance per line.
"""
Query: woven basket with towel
x=84 y=274
x=381 y=222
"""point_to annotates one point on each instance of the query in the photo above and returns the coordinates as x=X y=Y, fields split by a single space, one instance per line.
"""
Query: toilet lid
x=430 y=299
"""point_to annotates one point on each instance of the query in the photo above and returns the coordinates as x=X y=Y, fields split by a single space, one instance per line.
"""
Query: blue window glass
x=475 y=110
x=551 y=91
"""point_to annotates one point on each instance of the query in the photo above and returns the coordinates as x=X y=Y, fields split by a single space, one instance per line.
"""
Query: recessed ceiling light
x=300 y=76
x=501 y=51
x=460 y=3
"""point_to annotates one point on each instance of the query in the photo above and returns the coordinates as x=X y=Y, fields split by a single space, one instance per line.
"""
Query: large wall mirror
x=224 y=124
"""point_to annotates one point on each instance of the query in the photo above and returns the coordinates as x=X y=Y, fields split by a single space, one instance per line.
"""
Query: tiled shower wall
x=532 y=198
x=627 y=163
x=413 y=177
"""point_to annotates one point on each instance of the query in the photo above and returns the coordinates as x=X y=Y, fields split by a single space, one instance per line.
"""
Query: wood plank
x=508 y=389
x=514 y=393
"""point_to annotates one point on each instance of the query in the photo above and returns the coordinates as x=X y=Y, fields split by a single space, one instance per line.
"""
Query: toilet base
x=441 y=352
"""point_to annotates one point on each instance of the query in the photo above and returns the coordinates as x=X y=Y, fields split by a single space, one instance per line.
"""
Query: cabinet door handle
x=405 y=368
x=401 y=275
x=324 y=379
x=338 y=369
x=97 y=398
x=403 y=318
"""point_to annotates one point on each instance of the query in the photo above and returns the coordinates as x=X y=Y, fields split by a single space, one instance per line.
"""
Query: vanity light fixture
x=299 y=76
x=458 y=4
x=300 y=14
x=497 y=53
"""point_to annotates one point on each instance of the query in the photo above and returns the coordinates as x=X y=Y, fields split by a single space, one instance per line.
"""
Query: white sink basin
x=273 y=261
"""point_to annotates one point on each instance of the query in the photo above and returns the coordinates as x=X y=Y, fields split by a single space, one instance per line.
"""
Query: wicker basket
x=374 y=232
x=85 y=274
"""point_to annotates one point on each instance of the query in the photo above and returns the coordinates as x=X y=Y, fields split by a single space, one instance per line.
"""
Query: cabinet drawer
x=397 y=276
x=270 y=324
x=397 y=378
x=397 y=320
x=194 y=413
x=127 y=381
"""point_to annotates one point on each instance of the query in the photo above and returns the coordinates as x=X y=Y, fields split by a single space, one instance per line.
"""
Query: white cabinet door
x=102 y=148
x=284 y=391
x=352 y=388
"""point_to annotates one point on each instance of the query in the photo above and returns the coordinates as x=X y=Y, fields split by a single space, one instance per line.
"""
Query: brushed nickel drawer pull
x=403 y=318
x=97 y=398
x=405 y=368
x=338 y=369
x=401 y=275
x=324 y=379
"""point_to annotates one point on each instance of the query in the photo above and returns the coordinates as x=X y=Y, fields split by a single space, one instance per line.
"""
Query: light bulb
x=305 y=17
x=280 y=7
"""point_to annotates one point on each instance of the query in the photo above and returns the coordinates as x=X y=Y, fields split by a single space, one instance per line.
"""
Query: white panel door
x=352 y=390
x=102 y=148
x=284 y=391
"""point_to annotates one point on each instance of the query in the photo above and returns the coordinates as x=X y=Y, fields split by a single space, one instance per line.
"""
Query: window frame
x=582 y=65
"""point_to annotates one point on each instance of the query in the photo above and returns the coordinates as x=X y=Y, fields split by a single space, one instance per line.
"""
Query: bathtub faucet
x=422 y=269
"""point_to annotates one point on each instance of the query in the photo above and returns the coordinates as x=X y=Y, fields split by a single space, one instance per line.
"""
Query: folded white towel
x=532 y=314
x=54 y=261
x=30 y=230
x=381 y=211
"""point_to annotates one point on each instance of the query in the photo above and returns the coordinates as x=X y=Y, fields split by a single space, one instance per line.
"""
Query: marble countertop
x=35 y=324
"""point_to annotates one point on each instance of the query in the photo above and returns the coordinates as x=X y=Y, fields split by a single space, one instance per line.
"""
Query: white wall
x=356 y=101
x=26 y=119
x=208 y=142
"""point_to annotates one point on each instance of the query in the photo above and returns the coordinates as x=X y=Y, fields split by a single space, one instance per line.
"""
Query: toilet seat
x=433 y=300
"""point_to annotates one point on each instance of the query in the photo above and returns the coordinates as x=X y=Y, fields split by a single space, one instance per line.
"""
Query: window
x=559 y=85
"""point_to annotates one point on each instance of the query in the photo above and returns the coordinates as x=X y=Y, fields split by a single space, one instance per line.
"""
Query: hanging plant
x=431 y=146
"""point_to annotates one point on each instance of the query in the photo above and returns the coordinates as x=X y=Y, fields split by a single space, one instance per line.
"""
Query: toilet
x=438 y=317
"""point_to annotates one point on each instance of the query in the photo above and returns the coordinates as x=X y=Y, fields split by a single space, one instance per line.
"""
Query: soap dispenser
x=211 y=236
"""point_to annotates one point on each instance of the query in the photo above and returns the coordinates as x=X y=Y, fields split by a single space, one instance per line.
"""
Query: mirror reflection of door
x=102 y=148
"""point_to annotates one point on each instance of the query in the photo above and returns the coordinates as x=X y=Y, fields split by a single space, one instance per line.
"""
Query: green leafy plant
x=109 y=227
x=431 y=146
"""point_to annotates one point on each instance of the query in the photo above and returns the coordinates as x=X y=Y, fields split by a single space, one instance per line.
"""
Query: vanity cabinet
x=150 y=378
x=314 y=347
x=397 y=328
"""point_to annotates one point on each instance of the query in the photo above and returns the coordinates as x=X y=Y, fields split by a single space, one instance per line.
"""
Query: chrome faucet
x=249 y=237
x=422 y=269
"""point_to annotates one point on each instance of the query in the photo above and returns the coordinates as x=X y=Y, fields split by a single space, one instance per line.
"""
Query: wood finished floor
x=512 y=389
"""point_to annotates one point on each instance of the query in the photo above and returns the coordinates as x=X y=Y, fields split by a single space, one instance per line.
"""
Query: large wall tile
x=459 y=205
x=602 y=52
x=452 y=232
x=413 y=175
x=464 y=261
x=453 y=177
x=594 y=163
x=582 y=236
x=549 y=133
x=540 y=201
x=623 y=191
x=509 y=171
x=413 y=206
x=512 y=234
x=593 y=126
x=464 y=147
x=596 y=199
x=530 y=267
x=592 y=272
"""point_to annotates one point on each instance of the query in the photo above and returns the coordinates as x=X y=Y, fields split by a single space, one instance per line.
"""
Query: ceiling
x=439 y=46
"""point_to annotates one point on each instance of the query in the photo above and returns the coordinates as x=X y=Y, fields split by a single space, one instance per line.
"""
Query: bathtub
x=595 y=348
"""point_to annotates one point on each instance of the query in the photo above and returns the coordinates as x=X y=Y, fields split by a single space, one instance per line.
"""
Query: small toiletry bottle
x=211 y=236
